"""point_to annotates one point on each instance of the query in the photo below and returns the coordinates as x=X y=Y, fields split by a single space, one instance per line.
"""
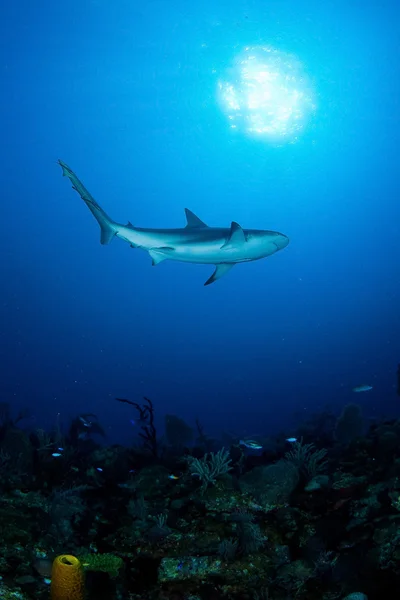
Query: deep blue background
x=125 y=93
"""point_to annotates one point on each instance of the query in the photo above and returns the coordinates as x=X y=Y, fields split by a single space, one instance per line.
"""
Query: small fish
x=99 y=469
x=84 y=422
x=362 y=388
x=174 y=477
x=291 y=440
x=56 y=454
x=251 y=444
x=43 y=566
x=60 y=449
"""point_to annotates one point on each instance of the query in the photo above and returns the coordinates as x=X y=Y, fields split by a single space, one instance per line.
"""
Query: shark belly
x=200 y=247
x=203 y=253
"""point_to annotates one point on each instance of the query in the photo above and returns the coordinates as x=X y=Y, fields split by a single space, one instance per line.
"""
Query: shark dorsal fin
x=236 y=236
x=129 y=224
x=193 y=220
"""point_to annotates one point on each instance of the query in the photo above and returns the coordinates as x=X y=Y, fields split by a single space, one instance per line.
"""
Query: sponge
x=67 y=579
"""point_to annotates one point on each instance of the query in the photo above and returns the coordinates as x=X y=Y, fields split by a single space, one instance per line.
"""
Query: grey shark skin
x=196 y=243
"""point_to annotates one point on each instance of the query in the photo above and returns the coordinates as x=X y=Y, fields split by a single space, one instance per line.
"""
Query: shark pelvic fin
x=159 y=254
x=236 y=237
x=193 y=220
x=220 y=271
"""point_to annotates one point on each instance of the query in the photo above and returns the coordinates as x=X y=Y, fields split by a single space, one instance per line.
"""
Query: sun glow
x=267 y=94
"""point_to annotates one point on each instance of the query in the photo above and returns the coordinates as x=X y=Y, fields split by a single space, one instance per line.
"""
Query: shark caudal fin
x=108 y=227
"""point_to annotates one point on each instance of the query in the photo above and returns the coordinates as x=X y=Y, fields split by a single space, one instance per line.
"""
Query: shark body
x=196 y=243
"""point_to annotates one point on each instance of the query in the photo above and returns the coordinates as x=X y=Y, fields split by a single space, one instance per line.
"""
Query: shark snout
x=281 y=241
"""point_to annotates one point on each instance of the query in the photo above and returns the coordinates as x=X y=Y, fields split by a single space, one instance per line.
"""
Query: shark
x=197 y=243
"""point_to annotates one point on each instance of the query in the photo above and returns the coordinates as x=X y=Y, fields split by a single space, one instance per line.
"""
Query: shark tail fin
x=107 y=233
x=108 y=227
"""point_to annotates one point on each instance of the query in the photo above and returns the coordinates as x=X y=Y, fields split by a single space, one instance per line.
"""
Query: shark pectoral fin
x=193 y=220
x=236 y=237
x=159 y=254
x=220 y=271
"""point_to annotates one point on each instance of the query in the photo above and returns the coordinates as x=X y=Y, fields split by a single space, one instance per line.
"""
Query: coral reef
x=167 y=521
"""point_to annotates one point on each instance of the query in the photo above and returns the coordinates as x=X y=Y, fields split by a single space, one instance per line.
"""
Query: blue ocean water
x=126 y=94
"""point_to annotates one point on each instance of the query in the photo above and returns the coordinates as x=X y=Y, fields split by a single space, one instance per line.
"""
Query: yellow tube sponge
x=67 y=579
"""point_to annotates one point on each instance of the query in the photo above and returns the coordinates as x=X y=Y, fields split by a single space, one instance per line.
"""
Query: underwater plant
x=210 y=467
